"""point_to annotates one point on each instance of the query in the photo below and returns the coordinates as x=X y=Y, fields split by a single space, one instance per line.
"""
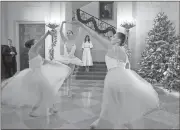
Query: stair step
x=99 y=65
x=87 y=77
x=94 y=66
x=89 y=73
x=91 y=69
x=96 y=62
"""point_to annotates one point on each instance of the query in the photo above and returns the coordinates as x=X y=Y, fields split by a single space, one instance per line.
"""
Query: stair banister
x=97 y=18
x=96 y=23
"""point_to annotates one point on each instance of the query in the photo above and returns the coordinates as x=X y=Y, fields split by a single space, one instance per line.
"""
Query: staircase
x=98 y=70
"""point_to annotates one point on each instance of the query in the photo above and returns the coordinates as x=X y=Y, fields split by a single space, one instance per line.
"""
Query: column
x=57 y=14
x=68 y=16
x=4 y=12
x=63 y=18
x=125 y=11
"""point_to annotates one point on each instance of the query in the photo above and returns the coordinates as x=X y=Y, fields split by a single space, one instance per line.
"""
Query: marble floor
x=83 y=108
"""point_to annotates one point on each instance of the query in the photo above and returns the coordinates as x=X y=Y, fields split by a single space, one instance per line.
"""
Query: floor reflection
x=86 y=99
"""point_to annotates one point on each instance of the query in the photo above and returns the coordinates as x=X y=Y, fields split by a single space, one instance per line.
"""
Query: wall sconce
x=52 y=24
x=128 y=24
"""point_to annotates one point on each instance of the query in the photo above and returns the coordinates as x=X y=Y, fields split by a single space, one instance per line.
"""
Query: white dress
x=126 y=98
x=86 y=57
x=69 y=57
x=36 y=86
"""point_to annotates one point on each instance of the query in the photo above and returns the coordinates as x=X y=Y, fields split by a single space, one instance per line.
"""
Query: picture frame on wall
x=106 y=10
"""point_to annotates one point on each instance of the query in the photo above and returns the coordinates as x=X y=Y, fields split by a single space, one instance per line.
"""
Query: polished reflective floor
x=83 y=108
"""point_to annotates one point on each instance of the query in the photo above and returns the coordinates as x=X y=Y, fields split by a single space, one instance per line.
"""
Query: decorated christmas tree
x=159 y=49
x=171 y=79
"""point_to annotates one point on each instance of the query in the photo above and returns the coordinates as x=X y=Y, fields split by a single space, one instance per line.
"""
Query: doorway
x=27 y=32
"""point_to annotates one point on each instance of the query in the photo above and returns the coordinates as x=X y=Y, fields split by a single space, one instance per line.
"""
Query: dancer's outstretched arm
x=35 y=48
x=61 y=32
x=102 y=40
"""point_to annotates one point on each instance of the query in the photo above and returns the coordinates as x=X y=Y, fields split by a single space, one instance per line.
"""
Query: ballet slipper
x=69 y=93
x=94 y=124
x=53 y=110
x=92 y=127
x=34 y=114
x=31 y=114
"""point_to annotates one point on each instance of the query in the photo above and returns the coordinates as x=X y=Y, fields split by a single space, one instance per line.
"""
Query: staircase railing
x=98 y=25
x=95 y=23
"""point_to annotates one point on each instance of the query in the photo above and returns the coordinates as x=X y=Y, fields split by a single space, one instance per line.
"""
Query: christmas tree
x=171 y=79
x=159 y=50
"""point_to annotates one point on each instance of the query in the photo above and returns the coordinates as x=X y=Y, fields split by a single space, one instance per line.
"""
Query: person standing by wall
x=9 y=53
x=86 y=57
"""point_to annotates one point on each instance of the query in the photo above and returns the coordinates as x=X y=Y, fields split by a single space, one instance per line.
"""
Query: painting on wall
x=106 y=10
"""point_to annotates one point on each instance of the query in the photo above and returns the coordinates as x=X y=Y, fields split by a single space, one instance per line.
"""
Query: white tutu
x=70 y=60
x=27 y=87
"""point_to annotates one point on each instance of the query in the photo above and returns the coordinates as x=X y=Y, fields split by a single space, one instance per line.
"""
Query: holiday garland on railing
x=92 y=19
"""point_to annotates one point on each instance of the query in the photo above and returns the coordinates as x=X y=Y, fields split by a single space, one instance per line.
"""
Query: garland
x=54 y=41
x=53 y=27
x=92 y=19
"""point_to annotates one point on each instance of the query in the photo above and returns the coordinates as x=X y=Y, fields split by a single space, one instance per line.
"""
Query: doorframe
x=16 y=37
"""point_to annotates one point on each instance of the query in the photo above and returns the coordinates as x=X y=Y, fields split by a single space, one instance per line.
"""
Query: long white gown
x=36 y=86
x=126 y=98
x=86 y=57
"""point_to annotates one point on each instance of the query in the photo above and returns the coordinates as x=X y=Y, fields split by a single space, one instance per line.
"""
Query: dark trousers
x=11 y=69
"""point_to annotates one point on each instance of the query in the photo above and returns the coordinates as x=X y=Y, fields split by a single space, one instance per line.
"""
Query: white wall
x=25 y=11
x=78 y=4
x=125 y=10
x=4 y=30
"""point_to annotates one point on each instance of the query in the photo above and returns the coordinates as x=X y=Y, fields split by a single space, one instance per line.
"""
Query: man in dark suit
x=9 y=55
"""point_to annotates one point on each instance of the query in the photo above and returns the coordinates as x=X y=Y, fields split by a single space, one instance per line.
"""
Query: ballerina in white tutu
x=86 y=57
x=69 y=49
x=127 y=97
x=38 y=85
